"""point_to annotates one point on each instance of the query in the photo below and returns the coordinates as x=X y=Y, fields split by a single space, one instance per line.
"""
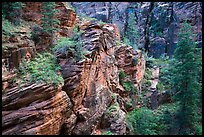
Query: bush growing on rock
x=122 y=75
x=7 y=28
x=43 y=68
x=114 y=107
x=107 y=133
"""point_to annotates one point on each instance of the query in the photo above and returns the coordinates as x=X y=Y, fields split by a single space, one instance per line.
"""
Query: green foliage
x=113 y=108
x=83 y=16
x=128 y=104
x=166 y=116
x=198 y=128
x=118 y=43
x=122 y=75
x=43 y=68
x=146 y=83
x=129 y=86
x=160 y=87
x=186 y=81
x=156 y=28
x=48 y=20
x=12 y=11
x=165 y=73
x=142 y=122
x=64 y=42
x=107 y=133
x=113 y=95
x=7 y=28
x=126 y=40
x=131 y=35
x=150 y=62
x=73 y=45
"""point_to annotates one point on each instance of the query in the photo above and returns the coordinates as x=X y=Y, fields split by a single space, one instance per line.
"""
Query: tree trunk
x=172 y=12
x=126 y=21
x=109 y=12
x=147 y=25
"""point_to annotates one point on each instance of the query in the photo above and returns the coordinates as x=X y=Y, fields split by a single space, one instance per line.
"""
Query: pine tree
x=48 y=21
x=186 y=80
x=132 y=32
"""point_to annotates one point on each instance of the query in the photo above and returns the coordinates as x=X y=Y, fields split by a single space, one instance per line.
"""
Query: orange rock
x=34 y=109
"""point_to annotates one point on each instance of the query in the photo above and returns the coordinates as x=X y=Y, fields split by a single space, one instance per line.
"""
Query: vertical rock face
x=132 y=62
x=17 y=47
x=67 y=18
x=165 y=21
x=34 y=109
x=100 y=11
x=91 y=84
x=33 y=12
x=90 y=81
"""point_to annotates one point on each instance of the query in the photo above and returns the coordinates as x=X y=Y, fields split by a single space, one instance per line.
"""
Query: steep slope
x=91 y=85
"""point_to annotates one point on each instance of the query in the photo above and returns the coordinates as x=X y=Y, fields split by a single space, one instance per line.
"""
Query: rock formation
x=166 y=18
x=34 y=109
x=92 y=101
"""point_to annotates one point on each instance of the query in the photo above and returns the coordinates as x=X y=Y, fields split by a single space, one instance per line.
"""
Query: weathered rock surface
x=78 y=107
x=33 y=12
x=38 y=109
x=165 y=21
x=132 y=62
x=153 y=99
x=16 y=47
x=89 y=82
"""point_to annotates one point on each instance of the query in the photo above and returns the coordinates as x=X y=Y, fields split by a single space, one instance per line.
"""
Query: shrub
x=117 y=43
x=9 y=29
x=128 y=104
x=64 y=42
x=73 y=45
x=107 y=133
x=43 y=68
x=142 y=122
x=112 y=108
x=160 y=87
x=122 y=75
x=12 y=11
x=129 y=86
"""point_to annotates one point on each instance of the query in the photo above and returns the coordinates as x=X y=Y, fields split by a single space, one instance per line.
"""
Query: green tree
x=12 y=11
x=186 y=80
x=131 y=35
x=49 y=22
